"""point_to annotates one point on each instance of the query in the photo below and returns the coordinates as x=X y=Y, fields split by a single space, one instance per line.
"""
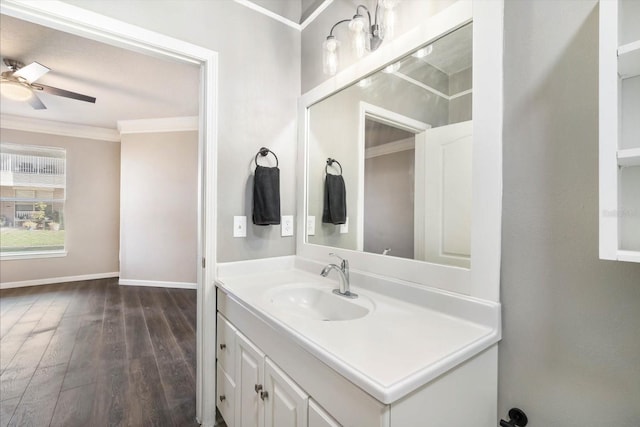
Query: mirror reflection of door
x=389 y=190
x=443 y=194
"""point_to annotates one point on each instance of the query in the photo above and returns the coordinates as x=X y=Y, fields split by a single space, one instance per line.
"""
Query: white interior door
x=443 y=194
x=285 y=403
x=250 y=379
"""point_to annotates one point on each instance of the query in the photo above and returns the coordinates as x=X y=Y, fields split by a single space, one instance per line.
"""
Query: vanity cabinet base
x=466 y=395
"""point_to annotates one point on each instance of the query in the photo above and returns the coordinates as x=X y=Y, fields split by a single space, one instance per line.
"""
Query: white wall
x=259 y=85
x=159 y=207
x=570 y=353
x=91 y=210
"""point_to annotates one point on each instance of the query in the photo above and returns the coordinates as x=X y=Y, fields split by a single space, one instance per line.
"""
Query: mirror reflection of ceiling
x=448 y=56
x=377 y=133
x=127 y=85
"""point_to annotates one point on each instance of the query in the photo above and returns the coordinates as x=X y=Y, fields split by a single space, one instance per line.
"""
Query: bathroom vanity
x=418 y=347
x=292 y=353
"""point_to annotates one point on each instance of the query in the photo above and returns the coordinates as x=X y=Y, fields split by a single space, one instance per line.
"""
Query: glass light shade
x=15 y=91
x=330 y=49
x=421 y=53
x=358 y=35
x=388 y=18
x=392 y=68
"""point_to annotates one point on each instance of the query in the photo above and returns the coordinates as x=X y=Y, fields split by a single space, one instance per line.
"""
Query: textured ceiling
x=127 y=85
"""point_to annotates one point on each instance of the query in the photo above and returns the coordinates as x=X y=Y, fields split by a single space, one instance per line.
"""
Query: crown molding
x=297 y=26
x=169 y=124
x=390 y=148
x=28 y=124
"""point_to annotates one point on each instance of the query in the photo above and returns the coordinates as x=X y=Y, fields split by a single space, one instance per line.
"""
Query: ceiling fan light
x=15 y=91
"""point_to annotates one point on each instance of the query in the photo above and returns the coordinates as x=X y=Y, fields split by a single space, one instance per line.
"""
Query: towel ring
x=330 y=162
x=263 y=152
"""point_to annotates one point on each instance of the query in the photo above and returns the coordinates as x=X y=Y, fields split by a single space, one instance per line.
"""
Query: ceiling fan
x=18 y=84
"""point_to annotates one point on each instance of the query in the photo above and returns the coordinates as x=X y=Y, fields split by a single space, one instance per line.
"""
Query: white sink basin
x=318 y=303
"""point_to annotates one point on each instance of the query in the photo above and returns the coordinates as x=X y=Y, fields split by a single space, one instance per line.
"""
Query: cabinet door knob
x=223 y=346
x=264 y=395
x=258 y=388
x=222 y=398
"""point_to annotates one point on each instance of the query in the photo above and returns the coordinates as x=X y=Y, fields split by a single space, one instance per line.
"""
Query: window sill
x=8 y=256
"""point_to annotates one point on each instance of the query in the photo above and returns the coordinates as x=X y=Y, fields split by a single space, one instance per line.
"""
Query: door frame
x=387 y=117
x=94 y=26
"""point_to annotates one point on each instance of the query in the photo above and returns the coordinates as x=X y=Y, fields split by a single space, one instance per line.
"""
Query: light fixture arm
x=336 y=24
x=368 y=13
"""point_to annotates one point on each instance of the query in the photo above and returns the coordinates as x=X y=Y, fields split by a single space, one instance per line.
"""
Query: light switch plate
x=286 y=225
x=344 y=228
x=311 y=225
x=239 y=226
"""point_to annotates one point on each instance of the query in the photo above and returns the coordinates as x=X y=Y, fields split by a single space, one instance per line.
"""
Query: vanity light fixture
x=366 y=35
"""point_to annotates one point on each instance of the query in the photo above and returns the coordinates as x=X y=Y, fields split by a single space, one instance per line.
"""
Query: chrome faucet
x=343 y=277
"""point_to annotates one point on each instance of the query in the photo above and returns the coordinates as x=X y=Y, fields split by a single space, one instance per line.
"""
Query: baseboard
x=51 y=280
x=157 y=284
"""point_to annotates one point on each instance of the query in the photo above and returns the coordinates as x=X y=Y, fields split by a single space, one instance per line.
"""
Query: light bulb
x=391 y=68
x=364 y=82
x=330 y=49
x=421 y=53
x=358 y=36
x=15 y=91
x=357 y=23
x=388 y=18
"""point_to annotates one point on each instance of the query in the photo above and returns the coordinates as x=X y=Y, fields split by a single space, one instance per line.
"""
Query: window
x=32 y=196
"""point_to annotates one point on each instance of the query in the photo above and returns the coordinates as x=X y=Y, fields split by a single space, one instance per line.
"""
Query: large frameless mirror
x=389 y=158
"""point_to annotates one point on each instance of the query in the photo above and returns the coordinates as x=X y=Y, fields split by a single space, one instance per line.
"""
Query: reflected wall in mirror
x=403 y=138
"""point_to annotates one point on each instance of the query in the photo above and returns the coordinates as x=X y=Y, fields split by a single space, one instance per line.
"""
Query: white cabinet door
x=318 y=417
x=226 y=345
x=225 y=396
x=285 y=402
x=249 y=383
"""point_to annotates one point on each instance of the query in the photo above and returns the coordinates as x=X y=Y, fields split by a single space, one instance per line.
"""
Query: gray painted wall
x=570 y=353
x=91 y=211
x=388 y=203
x=259 y=85
x=159 y=206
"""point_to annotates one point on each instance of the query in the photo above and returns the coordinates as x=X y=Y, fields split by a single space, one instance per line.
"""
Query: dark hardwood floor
x=97 y=354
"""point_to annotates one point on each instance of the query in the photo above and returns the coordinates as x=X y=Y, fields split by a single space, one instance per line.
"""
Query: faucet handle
x=345 y=263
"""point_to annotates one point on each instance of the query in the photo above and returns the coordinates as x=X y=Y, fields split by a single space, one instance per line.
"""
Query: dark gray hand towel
x=335 y=200
x=266 y=196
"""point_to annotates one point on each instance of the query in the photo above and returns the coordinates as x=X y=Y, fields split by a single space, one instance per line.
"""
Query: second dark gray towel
x=335 y=200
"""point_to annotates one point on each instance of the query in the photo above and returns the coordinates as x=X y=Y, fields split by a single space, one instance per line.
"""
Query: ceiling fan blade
x=36 y=103
x=32 y=72
x=67 y=94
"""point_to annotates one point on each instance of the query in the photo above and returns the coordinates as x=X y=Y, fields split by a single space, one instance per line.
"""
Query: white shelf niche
x=629 y=157
x=629 y=60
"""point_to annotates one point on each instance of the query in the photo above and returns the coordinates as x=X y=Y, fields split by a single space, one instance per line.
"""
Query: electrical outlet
x=311 y=225
x=286 y=225
x=344 y=228
x=239 y=226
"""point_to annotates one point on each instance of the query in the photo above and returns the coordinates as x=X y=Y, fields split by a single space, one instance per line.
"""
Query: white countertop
x=396 y=348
